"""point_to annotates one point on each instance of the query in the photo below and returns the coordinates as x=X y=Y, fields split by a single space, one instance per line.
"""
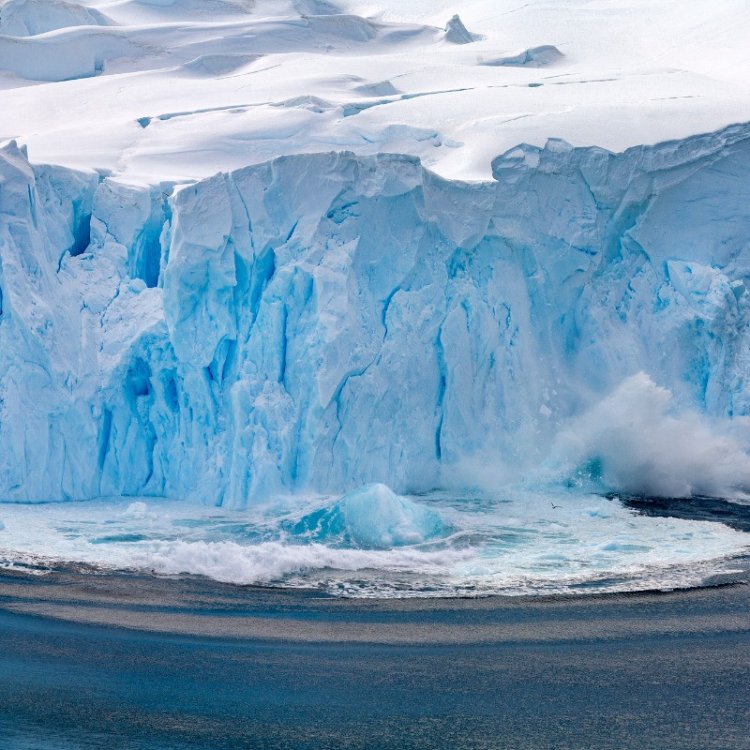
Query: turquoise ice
x=372 y=517
x=321 y=322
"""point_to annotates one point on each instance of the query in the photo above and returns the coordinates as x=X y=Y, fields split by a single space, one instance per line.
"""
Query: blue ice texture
x=321 y=322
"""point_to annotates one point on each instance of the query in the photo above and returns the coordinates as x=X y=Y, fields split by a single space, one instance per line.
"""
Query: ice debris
x=371 y=517
x=137 y=510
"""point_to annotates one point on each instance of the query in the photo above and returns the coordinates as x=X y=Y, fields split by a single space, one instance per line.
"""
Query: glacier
x=322 y=321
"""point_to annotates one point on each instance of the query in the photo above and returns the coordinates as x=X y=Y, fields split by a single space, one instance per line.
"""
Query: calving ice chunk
x=322 y=321
x=371 y=517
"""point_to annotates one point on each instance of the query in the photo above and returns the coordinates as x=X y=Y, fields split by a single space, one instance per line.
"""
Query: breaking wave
x=521 y=541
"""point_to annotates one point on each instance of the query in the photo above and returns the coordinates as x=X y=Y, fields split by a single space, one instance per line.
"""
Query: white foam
x=273 y=562
x=642 y=444
x=520 y=542
x=136 y=510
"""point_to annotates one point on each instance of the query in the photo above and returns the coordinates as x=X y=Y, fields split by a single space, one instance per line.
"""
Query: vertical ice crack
x=336 y=398
x=442 y=380
x=386 y=305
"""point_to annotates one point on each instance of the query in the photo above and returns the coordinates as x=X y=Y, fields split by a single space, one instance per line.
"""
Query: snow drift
x=20 y=18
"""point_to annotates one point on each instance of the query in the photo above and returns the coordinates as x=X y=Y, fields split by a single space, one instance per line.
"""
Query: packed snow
x=154 y=90
x=252 y=251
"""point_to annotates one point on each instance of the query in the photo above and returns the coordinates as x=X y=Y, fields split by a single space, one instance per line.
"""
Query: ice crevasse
x=323 y=321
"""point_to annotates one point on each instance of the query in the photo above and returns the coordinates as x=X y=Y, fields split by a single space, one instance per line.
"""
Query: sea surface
x=657 y=671
x=141 y=625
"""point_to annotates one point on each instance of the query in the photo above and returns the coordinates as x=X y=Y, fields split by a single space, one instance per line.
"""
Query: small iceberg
x=372 y=517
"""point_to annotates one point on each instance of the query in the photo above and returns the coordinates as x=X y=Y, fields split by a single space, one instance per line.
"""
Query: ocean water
x=520 y=541
x=67 y=686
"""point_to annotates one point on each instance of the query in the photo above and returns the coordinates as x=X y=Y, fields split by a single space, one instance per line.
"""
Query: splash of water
x=636 y=441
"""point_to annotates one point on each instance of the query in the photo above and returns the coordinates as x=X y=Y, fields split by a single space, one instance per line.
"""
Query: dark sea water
x=619 y=672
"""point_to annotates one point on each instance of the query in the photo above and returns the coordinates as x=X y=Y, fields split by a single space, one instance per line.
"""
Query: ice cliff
x=322 y=321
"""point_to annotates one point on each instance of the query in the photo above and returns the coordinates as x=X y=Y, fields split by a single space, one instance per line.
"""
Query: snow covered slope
x=303 y=246
x=182 y=89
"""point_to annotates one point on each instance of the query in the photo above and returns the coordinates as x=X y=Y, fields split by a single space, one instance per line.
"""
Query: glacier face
x=322 y=321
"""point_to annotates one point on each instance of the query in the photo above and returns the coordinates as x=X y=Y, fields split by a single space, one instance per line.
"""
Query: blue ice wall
x=323 y=321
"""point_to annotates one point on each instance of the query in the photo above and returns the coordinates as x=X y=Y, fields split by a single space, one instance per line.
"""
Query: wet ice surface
x=518 y=542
